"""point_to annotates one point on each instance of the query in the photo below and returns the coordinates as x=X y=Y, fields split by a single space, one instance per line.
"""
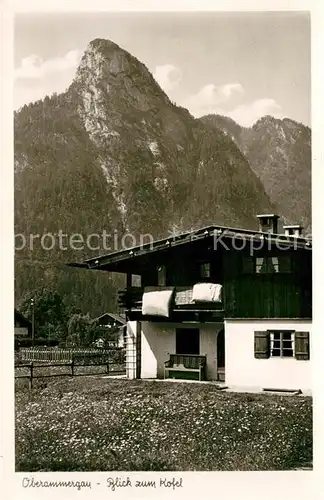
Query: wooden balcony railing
x=182 y=309
x=131 y=298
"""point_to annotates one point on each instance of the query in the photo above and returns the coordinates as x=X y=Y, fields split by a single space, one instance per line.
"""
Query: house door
x=187 y=340
x=221 y=355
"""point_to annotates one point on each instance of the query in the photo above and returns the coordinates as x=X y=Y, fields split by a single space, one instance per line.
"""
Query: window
x=204 y=270
x=267 y=264
x=161 y=271
x=136 y=280
x=187 y=340
x=282 y=343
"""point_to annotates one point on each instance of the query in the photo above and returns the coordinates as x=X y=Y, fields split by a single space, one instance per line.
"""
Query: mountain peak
x=113 y=87
x=107 y=66
x=266 y=120
x=103 y=58
x=271 y=122
x=103 y=44
x=108 y=50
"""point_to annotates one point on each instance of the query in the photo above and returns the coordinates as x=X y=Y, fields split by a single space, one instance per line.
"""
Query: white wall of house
x=242 y=369
x=159 y=340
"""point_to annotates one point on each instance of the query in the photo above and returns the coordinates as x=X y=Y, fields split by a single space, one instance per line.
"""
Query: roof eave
x=108 y=261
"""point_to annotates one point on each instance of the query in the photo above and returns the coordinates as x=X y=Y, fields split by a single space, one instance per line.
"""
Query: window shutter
x=302 y=345
x=284 y=264
x=247 y=265
x=261 y=345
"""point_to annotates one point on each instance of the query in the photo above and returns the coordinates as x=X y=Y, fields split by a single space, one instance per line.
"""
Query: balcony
x=183 y=308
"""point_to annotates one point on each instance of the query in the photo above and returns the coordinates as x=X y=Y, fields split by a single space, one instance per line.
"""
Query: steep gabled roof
x=116 y=317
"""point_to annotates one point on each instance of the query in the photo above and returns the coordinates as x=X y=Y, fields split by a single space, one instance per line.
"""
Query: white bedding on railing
x=207 y=292
x=157 y=303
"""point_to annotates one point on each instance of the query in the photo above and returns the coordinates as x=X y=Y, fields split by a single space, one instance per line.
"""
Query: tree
x=80 y=330
x=49 y=313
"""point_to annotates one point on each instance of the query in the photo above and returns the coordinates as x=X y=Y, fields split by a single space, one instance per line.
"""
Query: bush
x=36 y=343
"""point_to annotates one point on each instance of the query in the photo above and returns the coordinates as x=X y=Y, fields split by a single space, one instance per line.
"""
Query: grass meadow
x=103 y=424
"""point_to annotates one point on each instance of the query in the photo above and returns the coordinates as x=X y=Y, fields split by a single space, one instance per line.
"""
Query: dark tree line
x=55 y=322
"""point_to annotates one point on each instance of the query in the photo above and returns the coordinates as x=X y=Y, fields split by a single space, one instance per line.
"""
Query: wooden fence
x=49 y=354
x=47 y=357
x=72 y=365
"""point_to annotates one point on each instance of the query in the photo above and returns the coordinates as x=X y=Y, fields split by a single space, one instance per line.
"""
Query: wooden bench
x=182 y=363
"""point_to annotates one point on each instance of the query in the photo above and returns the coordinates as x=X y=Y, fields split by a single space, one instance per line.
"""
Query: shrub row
x=27 y=342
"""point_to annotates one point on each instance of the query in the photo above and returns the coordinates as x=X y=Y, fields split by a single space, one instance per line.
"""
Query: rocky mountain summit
x=279 y=153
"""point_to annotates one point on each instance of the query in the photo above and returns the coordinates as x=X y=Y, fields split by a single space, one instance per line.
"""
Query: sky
x=242 y=65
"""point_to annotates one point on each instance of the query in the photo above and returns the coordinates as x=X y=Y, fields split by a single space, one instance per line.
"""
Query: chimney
x=294 y=230
x=268 y=223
